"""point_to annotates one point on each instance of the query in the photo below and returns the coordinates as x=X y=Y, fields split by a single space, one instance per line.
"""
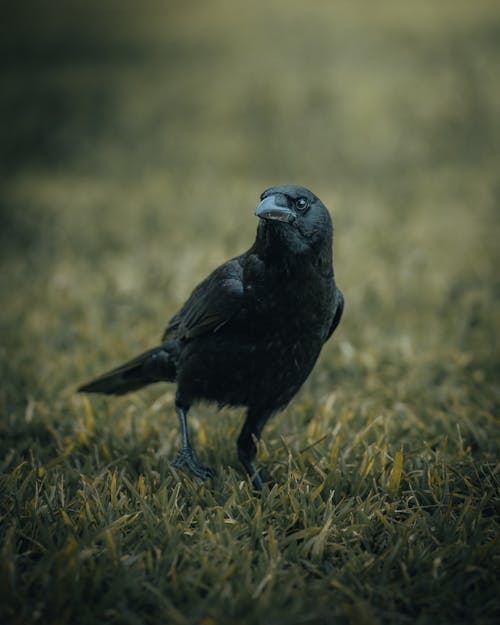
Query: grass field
x=134 y=145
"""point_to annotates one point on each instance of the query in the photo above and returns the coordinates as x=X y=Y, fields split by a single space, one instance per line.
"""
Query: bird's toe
x=186 y=459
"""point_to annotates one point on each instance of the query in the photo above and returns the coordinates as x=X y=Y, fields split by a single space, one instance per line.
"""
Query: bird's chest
x=285 y=320
x=292 y=309
x=288 y=334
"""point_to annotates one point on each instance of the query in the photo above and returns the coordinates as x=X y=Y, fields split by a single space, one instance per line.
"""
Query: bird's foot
x=186 y=458
x=252 y=472
x=257 y=482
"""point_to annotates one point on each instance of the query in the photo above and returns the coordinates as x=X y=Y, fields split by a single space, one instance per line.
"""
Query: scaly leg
x=253 y=426
x=186 y=457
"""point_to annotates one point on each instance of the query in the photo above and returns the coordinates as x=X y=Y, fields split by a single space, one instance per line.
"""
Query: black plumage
x=250 y=333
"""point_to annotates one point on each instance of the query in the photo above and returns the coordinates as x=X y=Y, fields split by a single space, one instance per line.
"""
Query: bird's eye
x=301 y=203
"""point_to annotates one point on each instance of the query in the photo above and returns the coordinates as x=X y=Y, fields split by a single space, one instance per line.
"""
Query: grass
x=134 y=147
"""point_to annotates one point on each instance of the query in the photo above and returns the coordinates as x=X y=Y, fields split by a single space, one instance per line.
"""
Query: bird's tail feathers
x=154 y=365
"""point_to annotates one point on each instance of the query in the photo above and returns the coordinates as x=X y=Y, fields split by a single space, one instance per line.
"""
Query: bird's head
x=295 y=217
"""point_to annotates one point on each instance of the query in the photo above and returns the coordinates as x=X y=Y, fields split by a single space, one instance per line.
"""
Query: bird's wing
x=337 y=316
x=211 y=305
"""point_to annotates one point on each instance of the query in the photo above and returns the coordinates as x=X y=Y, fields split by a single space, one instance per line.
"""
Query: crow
x=251 y=332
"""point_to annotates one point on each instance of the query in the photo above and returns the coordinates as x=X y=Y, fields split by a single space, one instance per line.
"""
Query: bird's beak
x=270 y=209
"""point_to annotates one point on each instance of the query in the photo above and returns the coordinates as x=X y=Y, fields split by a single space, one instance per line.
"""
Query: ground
x=134 y=145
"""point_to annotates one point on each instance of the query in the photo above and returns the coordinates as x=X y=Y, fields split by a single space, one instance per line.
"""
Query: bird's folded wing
x=339 y=309
x=211 y=305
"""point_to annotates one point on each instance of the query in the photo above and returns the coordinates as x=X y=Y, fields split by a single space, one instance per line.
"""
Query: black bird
x=250 y=333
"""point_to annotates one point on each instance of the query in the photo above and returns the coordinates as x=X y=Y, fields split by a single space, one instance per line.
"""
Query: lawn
x=135 y=141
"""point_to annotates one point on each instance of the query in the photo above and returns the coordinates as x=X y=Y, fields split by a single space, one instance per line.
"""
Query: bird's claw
x=186 y=458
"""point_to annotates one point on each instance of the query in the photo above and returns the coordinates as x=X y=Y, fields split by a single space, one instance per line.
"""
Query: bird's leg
x=247 y=450
x=187 y=456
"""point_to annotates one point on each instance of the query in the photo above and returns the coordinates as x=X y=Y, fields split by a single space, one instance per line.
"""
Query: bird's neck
x=276 y=251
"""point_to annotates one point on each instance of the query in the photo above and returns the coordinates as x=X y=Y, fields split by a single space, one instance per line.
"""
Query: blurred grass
x=134 y=145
